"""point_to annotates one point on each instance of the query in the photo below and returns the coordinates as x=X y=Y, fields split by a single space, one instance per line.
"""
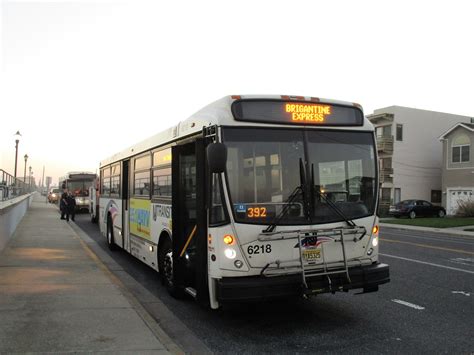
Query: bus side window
x=162 y=182
x=105 y=179
x=142 y=183
x=218 y=213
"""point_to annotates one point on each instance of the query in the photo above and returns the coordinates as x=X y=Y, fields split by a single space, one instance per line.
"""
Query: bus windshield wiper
x=331 y=204
x=299 y=189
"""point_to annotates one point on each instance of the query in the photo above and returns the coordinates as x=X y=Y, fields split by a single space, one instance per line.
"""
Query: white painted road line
x=463 y=261
x=408 y=304
x=467 y=242
x=426 y=263
x=462 y=293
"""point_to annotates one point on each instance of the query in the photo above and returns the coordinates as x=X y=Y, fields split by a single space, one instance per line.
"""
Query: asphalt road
x=428 y=307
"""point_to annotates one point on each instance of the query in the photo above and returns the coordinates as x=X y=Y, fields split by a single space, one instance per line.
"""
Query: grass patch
x=447 y=222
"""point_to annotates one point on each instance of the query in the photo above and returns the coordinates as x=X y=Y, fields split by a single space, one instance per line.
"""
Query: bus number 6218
x=259 y=249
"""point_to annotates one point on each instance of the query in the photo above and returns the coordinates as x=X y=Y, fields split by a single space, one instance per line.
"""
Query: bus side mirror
x=217 y=157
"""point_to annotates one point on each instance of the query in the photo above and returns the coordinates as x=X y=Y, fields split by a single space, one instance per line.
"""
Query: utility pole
x=42 y=180
x=24 y=175
x=17 y=140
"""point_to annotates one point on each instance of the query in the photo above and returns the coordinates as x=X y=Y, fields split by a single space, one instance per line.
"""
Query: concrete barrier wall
x=11 y=214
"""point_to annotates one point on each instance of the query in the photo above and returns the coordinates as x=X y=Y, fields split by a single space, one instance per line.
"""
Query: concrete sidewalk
x=56 y=296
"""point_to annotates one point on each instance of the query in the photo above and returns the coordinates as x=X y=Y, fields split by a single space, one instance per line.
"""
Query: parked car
x=416 y=208
x=54 y=195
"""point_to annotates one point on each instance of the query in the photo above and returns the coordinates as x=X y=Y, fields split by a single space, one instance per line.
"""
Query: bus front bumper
x=233 y=289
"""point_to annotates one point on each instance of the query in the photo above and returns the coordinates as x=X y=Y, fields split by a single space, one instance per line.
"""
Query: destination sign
x=296 y=113
x=308 y=112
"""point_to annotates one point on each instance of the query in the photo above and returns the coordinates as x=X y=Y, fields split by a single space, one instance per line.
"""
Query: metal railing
x=385 y=144
x=386 y=175
x=11 y=187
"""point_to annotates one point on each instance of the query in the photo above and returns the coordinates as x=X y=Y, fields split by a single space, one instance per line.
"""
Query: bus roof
x=79 y=175
x=219 y=113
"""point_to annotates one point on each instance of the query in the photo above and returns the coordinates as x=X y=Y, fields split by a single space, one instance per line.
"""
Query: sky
x=83 y=80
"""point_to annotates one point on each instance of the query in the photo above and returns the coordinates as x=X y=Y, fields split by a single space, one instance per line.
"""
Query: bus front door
x=190 y=219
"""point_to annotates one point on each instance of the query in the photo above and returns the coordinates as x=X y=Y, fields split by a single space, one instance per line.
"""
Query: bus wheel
x=166 y=269
x=110 y=235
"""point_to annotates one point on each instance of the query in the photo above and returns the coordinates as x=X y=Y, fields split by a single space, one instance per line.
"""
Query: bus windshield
x=264 y=175
x=79 y=188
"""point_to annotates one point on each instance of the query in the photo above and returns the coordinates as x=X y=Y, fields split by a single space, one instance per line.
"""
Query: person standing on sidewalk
x=71 y=205
x=63 y=205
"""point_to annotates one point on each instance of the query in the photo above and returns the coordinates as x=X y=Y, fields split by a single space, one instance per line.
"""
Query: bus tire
x=110 y=234
x=165 y=264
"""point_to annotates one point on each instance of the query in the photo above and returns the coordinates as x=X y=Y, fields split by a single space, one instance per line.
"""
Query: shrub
x=465 y=208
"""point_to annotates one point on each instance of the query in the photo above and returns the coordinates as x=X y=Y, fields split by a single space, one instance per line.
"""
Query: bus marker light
x=370 y=251
x=238 y=264
x=228 y=239
x=375 y=229
x=213 y=257
x=230 y=253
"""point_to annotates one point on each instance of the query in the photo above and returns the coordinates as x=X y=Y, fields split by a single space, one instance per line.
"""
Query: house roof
x=468 y=126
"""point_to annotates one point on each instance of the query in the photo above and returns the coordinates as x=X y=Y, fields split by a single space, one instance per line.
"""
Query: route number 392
x=259 y=249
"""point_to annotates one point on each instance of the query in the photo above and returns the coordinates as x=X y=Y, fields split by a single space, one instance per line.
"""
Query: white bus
x=78 y=184
x=252 y=197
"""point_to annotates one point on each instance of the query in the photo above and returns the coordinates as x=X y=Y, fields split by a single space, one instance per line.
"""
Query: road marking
x=463 y=261
x=466 y=241
x=426 y=263
x=428 y=246
x=409 y=232
x=462 y=293
x=408 y=304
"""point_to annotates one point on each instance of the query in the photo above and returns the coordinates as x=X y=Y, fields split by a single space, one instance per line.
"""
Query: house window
x=383 y=131
x=397 y=194
x=386 y=163
x=386 y=192
x=461 y=149
x=435 y=196
x=399 y=133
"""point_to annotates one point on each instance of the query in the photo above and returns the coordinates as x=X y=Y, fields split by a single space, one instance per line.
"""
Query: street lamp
x=29 y=179
x=17 y=140
x=24 y=174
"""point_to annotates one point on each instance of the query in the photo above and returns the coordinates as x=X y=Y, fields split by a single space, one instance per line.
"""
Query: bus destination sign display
x=308 y=113
x=296 y=113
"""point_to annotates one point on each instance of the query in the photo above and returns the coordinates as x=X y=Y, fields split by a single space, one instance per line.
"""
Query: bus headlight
x=230 y=253
x=375 y=241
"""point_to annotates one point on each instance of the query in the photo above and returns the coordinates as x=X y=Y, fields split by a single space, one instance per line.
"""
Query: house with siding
x=410 y=155
x=458 y=166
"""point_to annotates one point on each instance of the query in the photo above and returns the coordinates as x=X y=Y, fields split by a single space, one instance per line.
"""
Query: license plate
x=312 y=254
